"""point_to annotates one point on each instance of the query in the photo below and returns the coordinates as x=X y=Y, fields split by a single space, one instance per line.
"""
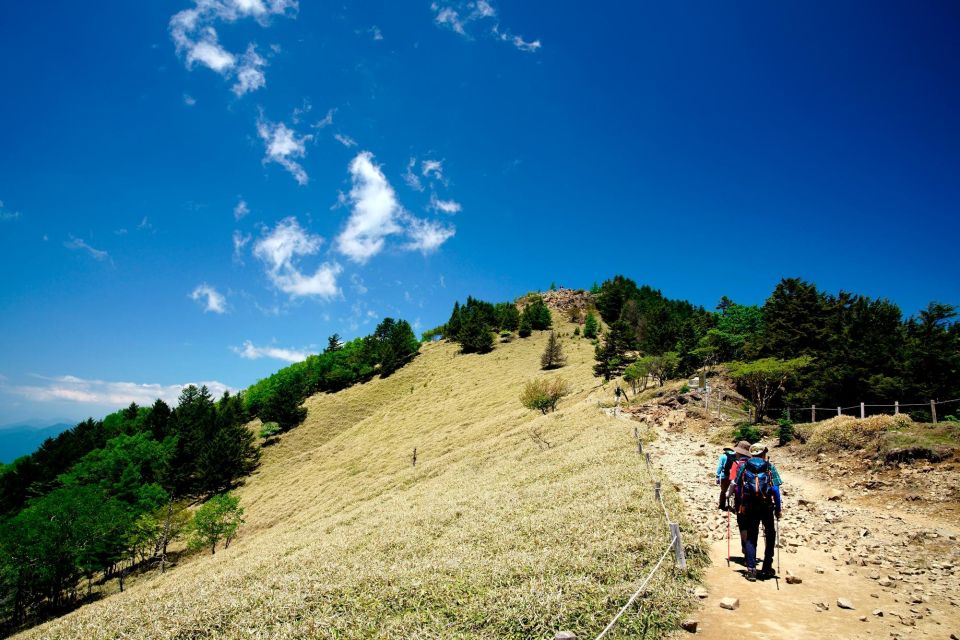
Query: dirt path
x=900 y=571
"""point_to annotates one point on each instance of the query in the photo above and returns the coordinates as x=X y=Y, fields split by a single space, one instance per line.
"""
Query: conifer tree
x=475 y=335
x=552 y=357
x=590 y=326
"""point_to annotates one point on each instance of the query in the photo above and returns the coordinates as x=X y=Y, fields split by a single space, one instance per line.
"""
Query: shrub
x=748 y=432
x=537 y=313
x=506 y=336
x=543 y=394
x=590 y=326
x=685 y=388
x=785 y=431
x=476 y=336
x=269 y=429
x=576 y=331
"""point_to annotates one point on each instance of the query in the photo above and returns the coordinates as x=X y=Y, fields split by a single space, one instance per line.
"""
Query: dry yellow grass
x=492 y=535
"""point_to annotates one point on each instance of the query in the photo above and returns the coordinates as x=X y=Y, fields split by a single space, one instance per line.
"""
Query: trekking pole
x=776 y=541
x=728 y=535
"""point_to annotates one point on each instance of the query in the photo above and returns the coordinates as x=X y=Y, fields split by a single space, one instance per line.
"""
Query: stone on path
x=701 y=593
x=862 y=618
x=821 y=605
x=843 y=603
x=878 y=613
x=730 y=603
x=792 y=578
x=690 y=625
x=565 y=635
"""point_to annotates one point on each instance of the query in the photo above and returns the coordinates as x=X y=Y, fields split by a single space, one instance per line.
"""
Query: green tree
x=765 y=378
x=537 y=313
x=217 y=519
x=334 y=343
x=637 y=375
x=664 y=366
x=543 y=394
x=552 y=357
x=476 y=336
x=508 y=316
x=283 y=407
x=525 y=328
x=610 y=353
x=590 y=326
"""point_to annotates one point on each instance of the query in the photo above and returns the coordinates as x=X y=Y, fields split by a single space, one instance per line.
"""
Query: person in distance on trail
x=724 y=464
x=741 y=453
x=759 y=503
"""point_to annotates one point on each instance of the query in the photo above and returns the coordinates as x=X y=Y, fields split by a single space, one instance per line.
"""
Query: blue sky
x=203 y=190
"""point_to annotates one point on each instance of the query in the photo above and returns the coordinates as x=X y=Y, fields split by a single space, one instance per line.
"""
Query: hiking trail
x=898 y=570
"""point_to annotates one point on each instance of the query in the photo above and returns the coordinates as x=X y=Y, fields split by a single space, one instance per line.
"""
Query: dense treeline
x=107 y=496
x=91 y=501
x=473 y=324
x=277 y=398
x=852 y=348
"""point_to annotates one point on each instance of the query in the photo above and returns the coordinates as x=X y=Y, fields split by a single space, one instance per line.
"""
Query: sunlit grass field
x=512 y=524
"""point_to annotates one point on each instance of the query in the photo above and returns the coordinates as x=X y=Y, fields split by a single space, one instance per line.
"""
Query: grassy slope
x=489 y=536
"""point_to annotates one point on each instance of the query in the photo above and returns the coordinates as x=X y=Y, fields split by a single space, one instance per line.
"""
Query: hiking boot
x=752 y=575
x=766 y=573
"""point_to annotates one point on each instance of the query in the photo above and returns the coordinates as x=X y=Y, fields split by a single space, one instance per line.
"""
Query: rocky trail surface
x=857 y=570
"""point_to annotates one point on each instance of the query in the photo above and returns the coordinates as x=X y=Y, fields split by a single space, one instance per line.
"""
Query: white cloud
x=249 y=74
x=326 y=121
x=426 y=236
x=432 y=168
x=458 y=15
x=446 y=206
x=280 y=249
x=345 y=140
x=376 y=33
x=241 y=209
x=215 y=301
x=189 y=100
x=282 y=146
x=251 y=351
x=75 y=244
x=8 y=216
x=193 y=33
x=358 y=284
x=374 y=214
x=410 y=177
x=239 y=242
x=101 y=392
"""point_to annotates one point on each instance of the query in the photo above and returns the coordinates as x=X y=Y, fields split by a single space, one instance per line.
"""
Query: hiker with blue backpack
x=757 y=501
x=724 y=464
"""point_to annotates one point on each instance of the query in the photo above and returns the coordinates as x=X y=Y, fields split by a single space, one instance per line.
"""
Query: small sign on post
x=679 y=556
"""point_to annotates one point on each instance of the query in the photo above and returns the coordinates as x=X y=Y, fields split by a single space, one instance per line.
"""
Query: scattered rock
x=730 y=603
x=835 y=495
x=690 y=625
x=878 y=613
x=701 y=593
x=843 y=603
x=565 y=635
x=791 y=578
x=862 y=618
x=821 y=605
x=819 y=569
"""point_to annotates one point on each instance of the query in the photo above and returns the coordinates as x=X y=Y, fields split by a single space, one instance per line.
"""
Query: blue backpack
x=756 y=482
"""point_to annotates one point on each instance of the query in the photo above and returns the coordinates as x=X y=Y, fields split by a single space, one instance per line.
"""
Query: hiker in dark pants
x=724 y=464
x=759 y=504
x=742 y=453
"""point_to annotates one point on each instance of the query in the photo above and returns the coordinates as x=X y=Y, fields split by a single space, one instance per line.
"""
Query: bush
x=476 y=336
x=785 y=431
x=543 y=394
x=537 y=313
x=217 y=519
x=685 y=388
x=576 y=331
x=525 y=328
x=506 y=336
x=748 y=432
x=590 y=326
x=269 y=429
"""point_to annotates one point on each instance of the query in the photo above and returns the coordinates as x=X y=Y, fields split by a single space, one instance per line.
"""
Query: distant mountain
x=21 y=438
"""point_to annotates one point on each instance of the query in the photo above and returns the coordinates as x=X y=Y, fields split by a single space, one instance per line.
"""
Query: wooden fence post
x=640 y=447
x=813 y=413
x=896 y=407
x=656 y=491
x=863 y=412
x=678 y=546
x=414 y=456
x=719 y=401
x=648 y=459
x=838 y=411
x=933 y=410
x=788 y=413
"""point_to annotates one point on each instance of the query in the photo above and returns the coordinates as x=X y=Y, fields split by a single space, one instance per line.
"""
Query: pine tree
x=451 y=330
x=525 y=329
x=552 y=357
x=475 y=335
x=590 y=326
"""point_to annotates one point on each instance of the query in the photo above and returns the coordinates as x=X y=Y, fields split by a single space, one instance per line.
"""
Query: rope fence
x=676 y=543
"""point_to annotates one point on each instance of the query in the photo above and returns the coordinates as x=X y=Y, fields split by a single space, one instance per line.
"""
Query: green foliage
x=576 y=331
x=664 y=366
x=432 y=334
x=217 y=519
x=507 y=316
x=784 y=431
x=552 y=357
x=269 y=430
x=748 y=432
x=590 y=326
x=543 y=394
x=610 y=352
x=525 y=328
x=685 y=388
x=537 y=313
x=637 y=375
x=765 y=378
x=476 y=336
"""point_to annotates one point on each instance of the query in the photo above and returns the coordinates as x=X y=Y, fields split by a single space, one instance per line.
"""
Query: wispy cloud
x=76 y=244
x=283 y=145
x=446 y=206
x=345 y=140
x=459 y=15
x=432 y=168
x=426 y=236
x=189 y=100
x=195 y=37
x=374 y=213
x=102 y=392
x=240 y=241
x=325 y=121
x=213 y=300
x=6 y=215
x=375 y=33
x=410 y=176
x=241 y=209
x=280 y=251
x=251 y=351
